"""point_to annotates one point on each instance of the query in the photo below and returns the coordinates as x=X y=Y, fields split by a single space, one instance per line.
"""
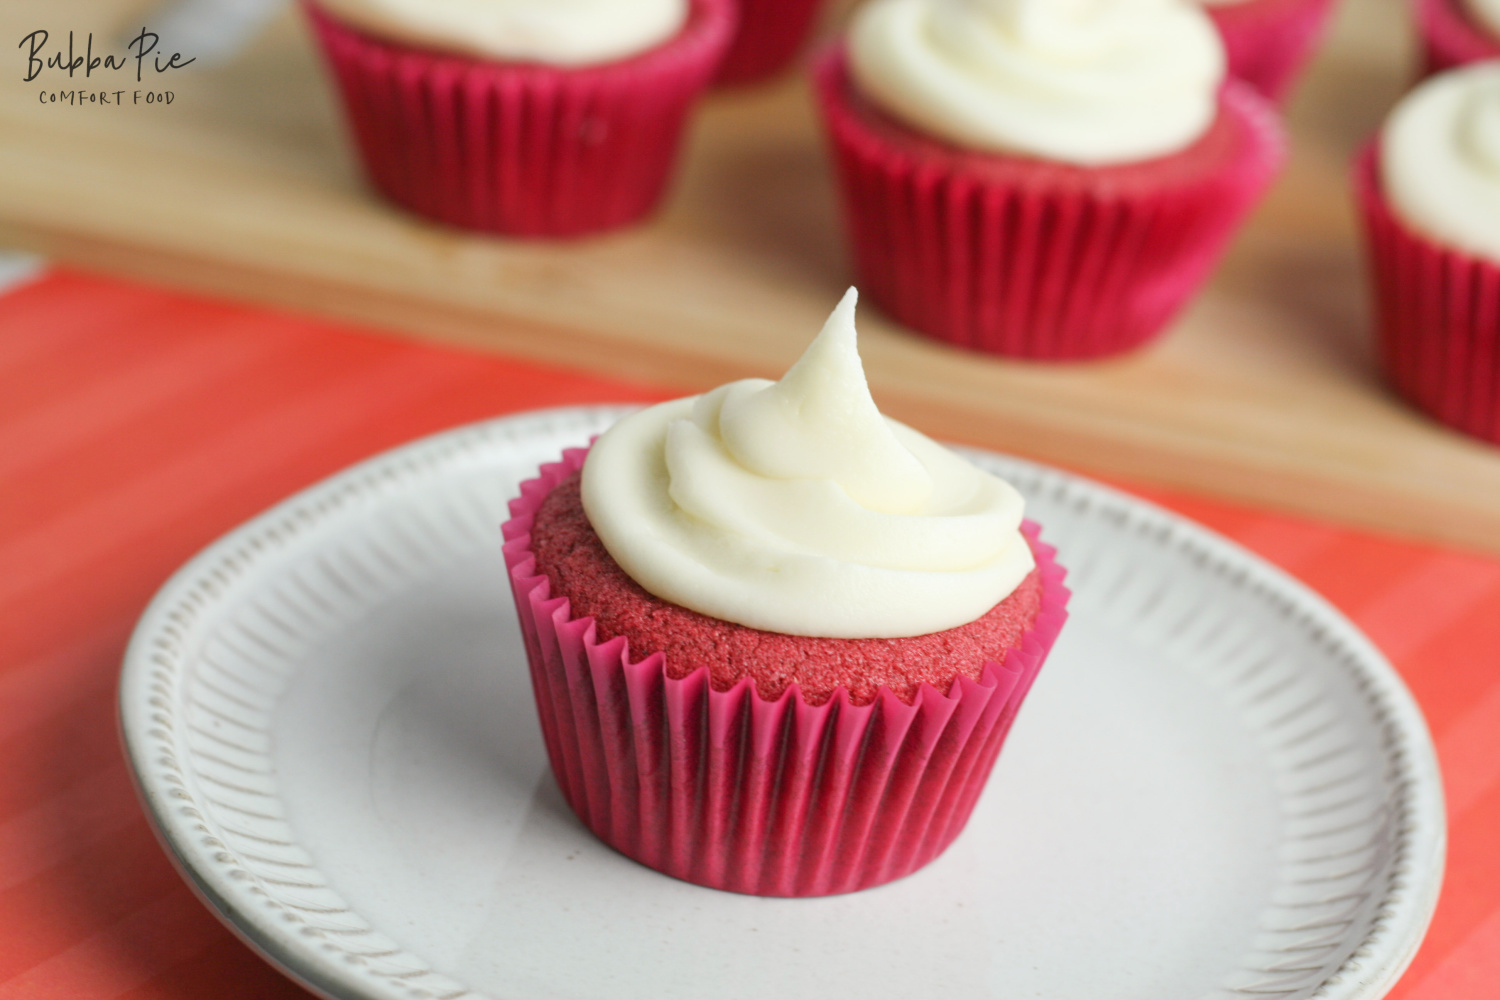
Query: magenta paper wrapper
x=1031 y=259
x=771 y=798
x=1450 y=37
x=1268 y=41
x=1438 y=315
x=522 y=148
x=770 y=34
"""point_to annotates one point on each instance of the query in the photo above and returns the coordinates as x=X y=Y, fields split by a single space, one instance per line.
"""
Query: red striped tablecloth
x=136 y=425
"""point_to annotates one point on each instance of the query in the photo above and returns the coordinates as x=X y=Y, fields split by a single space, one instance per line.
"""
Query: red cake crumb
x=573 y=558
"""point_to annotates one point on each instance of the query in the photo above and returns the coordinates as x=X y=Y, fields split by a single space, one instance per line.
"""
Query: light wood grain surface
x=1264 y=391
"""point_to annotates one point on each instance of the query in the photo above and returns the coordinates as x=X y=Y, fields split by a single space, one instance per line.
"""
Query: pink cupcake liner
x=1269 y=41
x=773 y=798
x=1019 y=257
x=1450 y=37
x=770 y=34
x=522 y=148
x=1437 y=315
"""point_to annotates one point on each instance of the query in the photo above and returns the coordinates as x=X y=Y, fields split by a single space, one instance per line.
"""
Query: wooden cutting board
x=1264 y=391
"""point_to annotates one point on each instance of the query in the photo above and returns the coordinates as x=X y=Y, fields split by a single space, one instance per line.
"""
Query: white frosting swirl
x=795 y=507
x=1089 y=82
x=1440 y=159
x=1485 y=13
x=554 y=32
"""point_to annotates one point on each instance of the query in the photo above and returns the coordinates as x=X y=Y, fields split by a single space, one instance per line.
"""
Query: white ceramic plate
x=1217 y=789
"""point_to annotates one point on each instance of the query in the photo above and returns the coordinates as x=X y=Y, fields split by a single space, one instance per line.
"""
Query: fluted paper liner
x=1269 y=41
x=773 y=798
x=1437 y=311
x=1450 y=37
x=522 y=148
x=1029 y=259
x=769 y=36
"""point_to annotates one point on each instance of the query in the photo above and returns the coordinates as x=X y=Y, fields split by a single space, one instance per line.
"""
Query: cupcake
x=525 y=117
x=1268 y=41
x=1457 y=32
x=769 y=36
x=1429 y=194
x=1037 y=179
x=777 y=639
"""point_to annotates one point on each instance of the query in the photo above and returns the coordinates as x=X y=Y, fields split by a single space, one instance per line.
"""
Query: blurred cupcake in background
x=1041 y=179
x=1429 y=192
x=1269 y=41
x=525 y=117
x=1457 y=32
x=769 y=36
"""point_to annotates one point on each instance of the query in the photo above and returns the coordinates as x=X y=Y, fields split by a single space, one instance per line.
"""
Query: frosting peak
x=819 y=421
x=796 y=507
x=1081 y=81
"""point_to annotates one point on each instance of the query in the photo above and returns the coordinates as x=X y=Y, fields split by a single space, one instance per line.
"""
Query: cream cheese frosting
x=554 y=32
x=796 y=507
x=1090 y=82
x=1486 y=13
x=1440 y=159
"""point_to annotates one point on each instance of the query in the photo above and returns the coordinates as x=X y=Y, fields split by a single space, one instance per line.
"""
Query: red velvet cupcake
x=1451 y=35
x=753 y=759
x=1085 y=250
x=522 y=147
x=1269 y=41
x=1432 y=226
x=768 y=38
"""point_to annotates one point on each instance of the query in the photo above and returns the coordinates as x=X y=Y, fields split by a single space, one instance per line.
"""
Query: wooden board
x=1264 y=391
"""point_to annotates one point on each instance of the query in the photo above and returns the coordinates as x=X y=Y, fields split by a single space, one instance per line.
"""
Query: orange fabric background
x=136 y=425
